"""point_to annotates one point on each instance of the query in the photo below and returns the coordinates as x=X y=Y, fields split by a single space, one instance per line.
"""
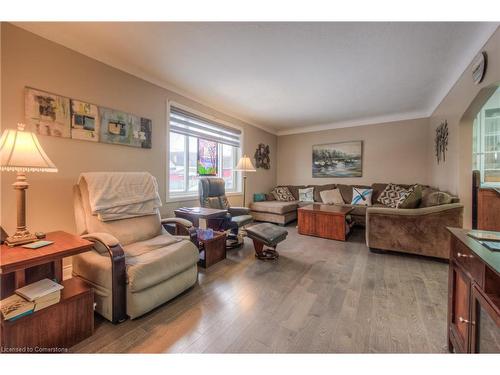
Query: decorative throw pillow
x=362 y=197
x=259 y=197
x=306 y=195
x=282 y=193
x=331 y=196
x=413 y=199
x=391 y=195
x=436 y=198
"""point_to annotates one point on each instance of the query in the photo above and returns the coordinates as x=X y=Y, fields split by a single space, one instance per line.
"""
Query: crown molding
x=353 y=123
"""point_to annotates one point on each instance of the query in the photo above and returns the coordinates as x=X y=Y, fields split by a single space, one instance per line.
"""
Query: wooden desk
x=20 y=266
x=473 y=296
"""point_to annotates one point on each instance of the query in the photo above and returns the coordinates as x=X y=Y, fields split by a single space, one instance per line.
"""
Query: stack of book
x=31 y=298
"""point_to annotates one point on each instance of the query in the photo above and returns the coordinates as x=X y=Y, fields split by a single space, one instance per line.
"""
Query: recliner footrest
x=267 y=233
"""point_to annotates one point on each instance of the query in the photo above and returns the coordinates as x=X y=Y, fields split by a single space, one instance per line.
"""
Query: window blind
x=187 y=123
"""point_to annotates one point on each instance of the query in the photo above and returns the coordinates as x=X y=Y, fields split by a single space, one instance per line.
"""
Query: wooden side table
x=57 y=327
x=325 y=221
x=202 y=217
x=213 y=250
x=20 y=266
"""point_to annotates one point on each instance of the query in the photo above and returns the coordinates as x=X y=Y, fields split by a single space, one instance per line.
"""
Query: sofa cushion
x=357 y=209
x=393 y=195
x=378 y=188
x=331 y=196
x=306 y=195
x=436 y=198
x=319 y=188
x=294 y=189
x=361 y=197
x=283 y=194
x=413 y=199
x=346 y=191
x=152 y=261
x=274 y=207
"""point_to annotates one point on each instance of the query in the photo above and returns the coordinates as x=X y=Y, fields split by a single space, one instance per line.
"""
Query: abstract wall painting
x=123 y=128
x=47 y=114
x=207 y=158
x=342 y=159
x=84 y=121
x=58 y=116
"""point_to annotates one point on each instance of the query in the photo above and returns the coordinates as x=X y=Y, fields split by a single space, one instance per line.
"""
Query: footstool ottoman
x=266 y=234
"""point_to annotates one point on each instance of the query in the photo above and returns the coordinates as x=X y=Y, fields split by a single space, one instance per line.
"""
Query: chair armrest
x=102 y=241
x=238 y=211
x=177 y=220
x=105 y=242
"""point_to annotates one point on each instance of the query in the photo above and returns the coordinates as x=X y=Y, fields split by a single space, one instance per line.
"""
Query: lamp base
x=20 y=238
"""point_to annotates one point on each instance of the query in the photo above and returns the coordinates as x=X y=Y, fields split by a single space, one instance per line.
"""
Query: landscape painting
x=84 y=121
x=342 y=159
x=207 y=158
x=47 y=114
x=124 y=128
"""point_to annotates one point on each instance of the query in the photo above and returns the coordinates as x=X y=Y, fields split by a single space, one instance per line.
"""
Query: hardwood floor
x=321 y=296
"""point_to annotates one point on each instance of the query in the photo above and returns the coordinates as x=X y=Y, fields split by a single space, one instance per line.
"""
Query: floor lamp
x=245 y=165
x=21 y=152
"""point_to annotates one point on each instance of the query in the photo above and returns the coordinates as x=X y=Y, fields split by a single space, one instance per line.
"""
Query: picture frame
x=340 y=159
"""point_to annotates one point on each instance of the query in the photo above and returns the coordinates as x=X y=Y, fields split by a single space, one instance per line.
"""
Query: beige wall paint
x=392 y=152
x=457 y=109
x=28 y=60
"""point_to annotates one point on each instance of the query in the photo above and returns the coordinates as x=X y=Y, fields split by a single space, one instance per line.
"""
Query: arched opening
x=479 y=135
x=486 y=141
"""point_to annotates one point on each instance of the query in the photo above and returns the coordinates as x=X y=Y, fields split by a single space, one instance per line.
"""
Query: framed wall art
x=207 y=158
x=47 y=114
x=343 y=159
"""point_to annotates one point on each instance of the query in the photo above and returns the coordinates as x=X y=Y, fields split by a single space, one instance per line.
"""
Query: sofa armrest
x=417 y=230
x=238 y=211
x=105 y=242
x=412 y=211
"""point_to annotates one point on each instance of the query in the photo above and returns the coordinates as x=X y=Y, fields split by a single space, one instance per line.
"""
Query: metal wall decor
x=262 y=159
x=441 y=141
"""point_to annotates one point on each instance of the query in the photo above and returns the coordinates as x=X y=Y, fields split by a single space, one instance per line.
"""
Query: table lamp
x=21 y=152
x=244 y=165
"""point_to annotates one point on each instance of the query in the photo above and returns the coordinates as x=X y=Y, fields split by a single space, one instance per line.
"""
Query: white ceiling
x=289 y=77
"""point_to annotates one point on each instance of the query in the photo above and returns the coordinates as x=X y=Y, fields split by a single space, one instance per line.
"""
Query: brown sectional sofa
x=420 y=230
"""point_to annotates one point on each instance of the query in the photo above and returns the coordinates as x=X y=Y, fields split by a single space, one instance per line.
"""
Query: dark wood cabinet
x=474 y=296
x=460 y=309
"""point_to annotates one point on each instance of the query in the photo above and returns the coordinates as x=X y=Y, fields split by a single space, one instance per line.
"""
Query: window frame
x=479 y=144
x=189 y=196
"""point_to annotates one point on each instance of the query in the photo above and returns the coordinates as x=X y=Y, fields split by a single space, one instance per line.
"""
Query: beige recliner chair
x=136 y=265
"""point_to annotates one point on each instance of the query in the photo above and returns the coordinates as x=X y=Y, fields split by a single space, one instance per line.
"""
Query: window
x=185 y=130
x=486 y=141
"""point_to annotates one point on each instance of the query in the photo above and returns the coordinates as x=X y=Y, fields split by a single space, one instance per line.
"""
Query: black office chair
x=212 y=193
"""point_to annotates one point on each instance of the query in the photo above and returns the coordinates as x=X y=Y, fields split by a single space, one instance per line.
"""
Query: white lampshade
x=245 y=165
x=20 y=151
